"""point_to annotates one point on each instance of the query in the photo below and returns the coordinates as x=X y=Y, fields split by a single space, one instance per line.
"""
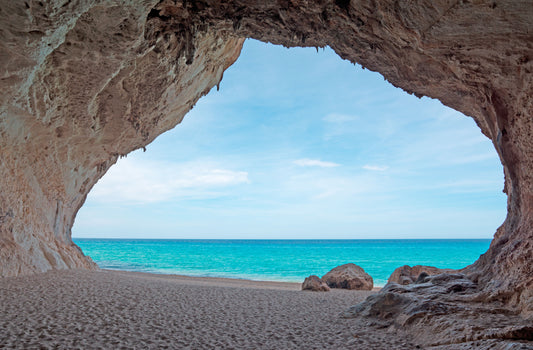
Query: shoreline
x=277 y=260
x=221 y=281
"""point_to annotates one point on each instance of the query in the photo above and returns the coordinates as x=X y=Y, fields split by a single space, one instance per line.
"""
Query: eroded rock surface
x=315 y=284
x=349 y=276
x=82 y=85
x=444 y=311
x=406 y=274
x=86 y=82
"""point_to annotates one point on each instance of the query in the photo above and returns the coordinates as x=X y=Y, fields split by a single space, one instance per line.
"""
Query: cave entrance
x=299 y=144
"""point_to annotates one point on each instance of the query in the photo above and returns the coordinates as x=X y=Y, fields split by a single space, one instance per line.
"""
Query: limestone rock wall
x=84 y=83
x=82 y=86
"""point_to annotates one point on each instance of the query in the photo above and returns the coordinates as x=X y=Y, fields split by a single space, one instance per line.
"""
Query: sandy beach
x=129 y=310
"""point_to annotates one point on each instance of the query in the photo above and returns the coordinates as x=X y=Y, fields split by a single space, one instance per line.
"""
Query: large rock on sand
x=349 y=276
x=315 y=284
x=406 y=274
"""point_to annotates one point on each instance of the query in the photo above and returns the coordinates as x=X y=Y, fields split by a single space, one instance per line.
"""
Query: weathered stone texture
x=315 y=284
x=349 y=276
x=82 y=86
x=441 y=312
x=406 y=274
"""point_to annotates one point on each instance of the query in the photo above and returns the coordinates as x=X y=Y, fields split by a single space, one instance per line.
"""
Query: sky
x=300 y=144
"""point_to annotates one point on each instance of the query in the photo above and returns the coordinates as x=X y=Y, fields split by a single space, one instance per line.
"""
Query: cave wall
x=81 y=87
x=85 y=82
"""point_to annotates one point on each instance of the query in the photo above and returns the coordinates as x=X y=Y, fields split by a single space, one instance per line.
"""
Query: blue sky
x=301 y=144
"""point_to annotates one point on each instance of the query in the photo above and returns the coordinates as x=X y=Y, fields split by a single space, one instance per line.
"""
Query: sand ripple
x=124 y=310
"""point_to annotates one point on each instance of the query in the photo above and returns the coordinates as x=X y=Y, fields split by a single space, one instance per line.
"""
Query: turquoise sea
x=278 y=260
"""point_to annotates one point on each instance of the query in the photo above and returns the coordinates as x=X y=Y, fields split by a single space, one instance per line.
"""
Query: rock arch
x=84 y=83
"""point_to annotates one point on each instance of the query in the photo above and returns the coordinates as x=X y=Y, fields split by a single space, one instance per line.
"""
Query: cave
x=85 y=84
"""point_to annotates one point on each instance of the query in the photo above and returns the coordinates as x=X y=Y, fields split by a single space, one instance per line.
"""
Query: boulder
x=315 y=284
x=406 y=274
x=349 y=276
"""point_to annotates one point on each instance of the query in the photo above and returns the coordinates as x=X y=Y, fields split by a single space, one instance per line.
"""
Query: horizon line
x=281 y=239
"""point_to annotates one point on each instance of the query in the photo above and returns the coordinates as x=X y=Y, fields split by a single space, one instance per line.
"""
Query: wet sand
x=124 y=310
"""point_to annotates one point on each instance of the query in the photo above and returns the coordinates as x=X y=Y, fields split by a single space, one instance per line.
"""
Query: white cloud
x=315 y=162
x=138 y=181
x=375 y=167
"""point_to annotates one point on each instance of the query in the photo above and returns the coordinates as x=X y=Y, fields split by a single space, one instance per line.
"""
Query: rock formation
x=406 y=274
x=349 y=276
x=315 y=284
x=441 y=314
x=84 y=83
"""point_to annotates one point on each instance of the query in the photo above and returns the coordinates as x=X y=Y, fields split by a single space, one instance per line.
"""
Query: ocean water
x=278 y=260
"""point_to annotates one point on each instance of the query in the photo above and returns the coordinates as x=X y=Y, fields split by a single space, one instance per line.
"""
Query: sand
x=125 y=310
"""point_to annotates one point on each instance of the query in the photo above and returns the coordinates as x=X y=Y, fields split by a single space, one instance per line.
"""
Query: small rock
x=349 y=276
x=315 y=284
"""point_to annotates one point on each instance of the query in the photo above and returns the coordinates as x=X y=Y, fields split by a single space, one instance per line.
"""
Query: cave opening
x=86 y=84
x=299 y=144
